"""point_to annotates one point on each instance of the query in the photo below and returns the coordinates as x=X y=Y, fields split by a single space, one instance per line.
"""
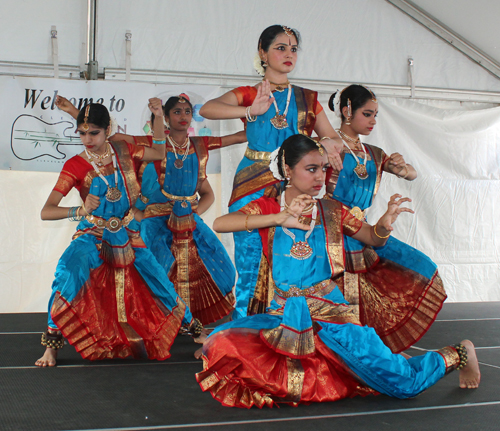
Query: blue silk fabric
x=355 y=192
x=82 y=255
x=358 y=346
x=159 y=238
x=261 y=136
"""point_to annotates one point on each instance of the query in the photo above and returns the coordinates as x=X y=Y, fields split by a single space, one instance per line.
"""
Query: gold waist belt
x=258 y=155
x=183 y=199
x=310 y=291
x=358 y=213
x=113 y=224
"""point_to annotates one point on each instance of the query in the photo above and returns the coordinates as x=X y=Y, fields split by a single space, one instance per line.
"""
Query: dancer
x=309 y=346
x=191 y=254
x=395 y=289
x=110 y=298
x=269 y=120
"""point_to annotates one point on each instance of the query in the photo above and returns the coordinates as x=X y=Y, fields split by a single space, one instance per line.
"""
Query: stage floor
x=150 y=395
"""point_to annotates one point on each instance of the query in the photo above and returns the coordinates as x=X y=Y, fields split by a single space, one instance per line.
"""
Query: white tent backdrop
x=453 y=146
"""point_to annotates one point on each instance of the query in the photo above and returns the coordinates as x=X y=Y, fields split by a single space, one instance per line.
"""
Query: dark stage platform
x=150 y=395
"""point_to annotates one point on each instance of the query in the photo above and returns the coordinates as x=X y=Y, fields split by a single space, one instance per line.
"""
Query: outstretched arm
x=226 y=106
x=239 y=221
x=396 y=165
x=378 y=234
x=236 y=138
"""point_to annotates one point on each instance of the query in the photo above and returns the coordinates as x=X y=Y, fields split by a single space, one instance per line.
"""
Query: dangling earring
x=264 y=63
x=349 y=113
x=165 y=123
x=288 y=182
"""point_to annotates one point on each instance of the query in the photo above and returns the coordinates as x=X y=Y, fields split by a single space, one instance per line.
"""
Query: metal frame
x=448 y=35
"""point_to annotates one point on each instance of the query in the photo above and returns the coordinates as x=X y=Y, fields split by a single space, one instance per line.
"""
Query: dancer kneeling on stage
x=110 y=298
x=309 y=346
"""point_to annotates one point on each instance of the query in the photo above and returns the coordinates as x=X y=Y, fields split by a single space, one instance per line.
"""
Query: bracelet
x=324 y=137
x=399 y=176
x=84 y=209
x=246 y=224
x=250 y=119
x=162 y=142
x=462 y=355
x=72 y=216
x=375 y=232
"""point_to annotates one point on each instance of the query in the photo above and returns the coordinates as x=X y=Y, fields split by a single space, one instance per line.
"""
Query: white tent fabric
x=455 y=148
x=357 y=41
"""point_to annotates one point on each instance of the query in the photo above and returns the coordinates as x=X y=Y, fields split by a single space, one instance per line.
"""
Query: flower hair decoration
x=273 y=165
x=257 y=64
x=336 y=103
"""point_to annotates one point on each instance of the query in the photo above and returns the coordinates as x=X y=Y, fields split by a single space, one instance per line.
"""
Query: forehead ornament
x=85 y=125
x=288 y=31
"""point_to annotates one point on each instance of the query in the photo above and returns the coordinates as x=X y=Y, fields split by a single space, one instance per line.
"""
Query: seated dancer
x=310 y=346
x=395 y=289
x=110 y=298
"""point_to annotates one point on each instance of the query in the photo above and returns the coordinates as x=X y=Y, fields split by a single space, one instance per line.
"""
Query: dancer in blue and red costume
x=110 y=298
x=274 y=110
x=310 y=346
x=396 y=289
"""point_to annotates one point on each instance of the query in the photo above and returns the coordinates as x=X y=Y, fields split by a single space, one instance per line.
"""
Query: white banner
x=37 y=136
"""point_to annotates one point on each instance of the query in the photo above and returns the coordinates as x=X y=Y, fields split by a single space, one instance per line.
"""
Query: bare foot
x=470 y=374
x=48 y=359
x=198 y=353
x=201 y=339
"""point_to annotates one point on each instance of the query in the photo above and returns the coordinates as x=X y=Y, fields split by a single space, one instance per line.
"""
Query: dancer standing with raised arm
x=273 y=110
x=396 y=289
x=109 y=298
x=309 y=346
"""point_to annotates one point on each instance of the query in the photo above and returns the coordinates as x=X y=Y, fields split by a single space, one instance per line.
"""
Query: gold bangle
x=375 y=232
x=246 y=224
x=84 y=209
x=324 y=137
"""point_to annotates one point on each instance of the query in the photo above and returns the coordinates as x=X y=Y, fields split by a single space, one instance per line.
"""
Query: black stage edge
x=153 y=395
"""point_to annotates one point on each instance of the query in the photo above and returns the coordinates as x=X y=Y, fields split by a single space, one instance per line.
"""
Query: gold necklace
x=180 y=147
x=355 y=141
x=280 y=87
x=306 y=210
x=99 y=157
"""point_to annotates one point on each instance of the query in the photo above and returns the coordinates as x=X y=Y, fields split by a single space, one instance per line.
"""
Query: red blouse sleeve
x=245 y=95
x=72 y=175
x=212 y=142
x=145 y=141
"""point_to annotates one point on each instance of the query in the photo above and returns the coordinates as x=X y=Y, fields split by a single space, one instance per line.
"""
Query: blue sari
x=110 y=298
x=309 y=346
x=253 y=179
x=397 y=289
x=186 y=248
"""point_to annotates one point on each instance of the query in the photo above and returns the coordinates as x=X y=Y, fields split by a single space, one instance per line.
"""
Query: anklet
x=462 y=355
x=195 y=329
x=53 y=340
